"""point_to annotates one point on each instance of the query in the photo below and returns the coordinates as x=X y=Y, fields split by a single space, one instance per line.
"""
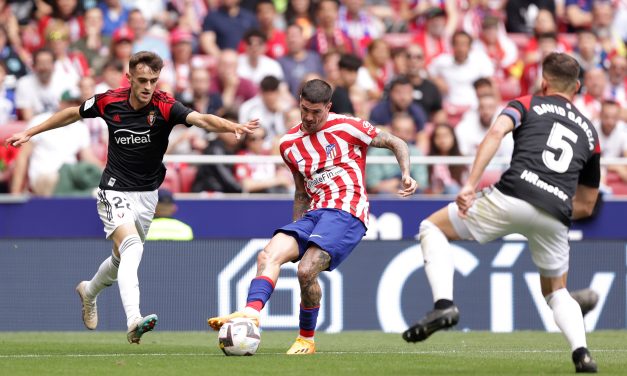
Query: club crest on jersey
x=151 y=118
x=331 y=151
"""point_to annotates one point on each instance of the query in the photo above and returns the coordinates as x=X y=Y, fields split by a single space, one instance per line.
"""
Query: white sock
x=438 y=258
x=250 y=311
x=568 y=317
x=131 y=250
x=105 y=276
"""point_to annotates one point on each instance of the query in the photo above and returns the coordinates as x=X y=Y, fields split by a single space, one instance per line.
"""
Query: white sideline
x=429 y=352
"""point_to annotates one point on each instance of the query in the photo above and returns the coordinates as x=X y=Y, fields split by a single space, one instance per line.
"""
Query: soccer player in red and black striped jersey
x=139 y=119
x=553 y=178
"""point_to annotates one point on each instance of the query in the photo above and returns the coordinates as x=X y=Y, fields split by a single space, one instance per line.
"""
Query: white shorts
x=494 y=215
x=117 y=208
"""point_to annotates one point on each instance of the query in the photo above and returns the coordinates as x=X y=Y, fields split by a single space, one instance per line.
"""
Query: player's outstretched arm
x=302 y=201
x=400 y=150
x=212 y=123
x=60 y=119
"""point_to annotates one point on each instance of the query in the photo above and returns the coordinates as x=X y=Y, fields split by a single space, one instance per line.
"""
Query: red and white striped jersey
x=332 y=161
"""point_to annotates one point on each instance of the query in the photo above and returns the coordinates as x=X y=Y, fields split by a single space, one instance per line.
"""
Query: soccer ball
x=239 y=337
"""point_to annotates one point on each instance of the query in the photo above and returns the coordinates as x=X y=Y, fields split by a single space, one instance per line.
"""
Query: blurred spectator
x=95 y=44
x=434 y=39
x=254 y=64
x=578 y=14
x=98 y=131
x=10 y=24
x=68 y=12
x=612 y=137
x=494 y=42
x=268 y=108
x=154 y=12
x=41 y=160
x=587 y=51
x=340 y=100
x=112 y=76
x=544 y=23
x=331 y=68
x=291 y=118
x=225 y=27
x=70 y=66
x=39 y=92
x=617 y=74
x=532 y=72
x=14 y=65
x=145 y=40
x=164 y=226
x=521 y=14
x=234 y=88
x=114 y=15
x=484 y=87
x=386 y=178
x=454 y=73
x=301 y=13
x=189 y=14
x=328 y=36
x=376 y=70
x=276 y=44
x=588 y=102
x=602 y=25
x=426 y=94
x=181 y=45
x=401 y=100
x=472 y=129
x=260 y=177
x=298 y=61
x=400 y=59
x=219 y=177
x=361 y=27
x=443 y=178
x=7 y=97
x=122 y=46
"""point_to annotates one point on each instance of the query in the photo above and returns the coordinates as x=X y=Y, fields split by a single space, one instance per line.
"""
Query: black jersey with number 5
x=555 y=149
x=138 y=139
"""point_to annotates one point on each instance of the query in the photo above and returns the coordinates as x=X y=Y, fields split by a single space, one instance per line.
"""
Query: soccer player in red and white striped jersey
x=327 y=156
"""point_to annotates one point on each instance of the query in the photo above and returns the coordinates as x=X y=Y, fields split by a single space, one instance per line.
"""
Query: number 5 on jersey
x=558 y=141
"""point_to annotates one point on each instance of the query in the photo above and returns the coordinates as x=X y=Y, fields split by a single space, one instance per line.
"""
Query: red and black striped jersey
x=555 y=149
x=138 y=139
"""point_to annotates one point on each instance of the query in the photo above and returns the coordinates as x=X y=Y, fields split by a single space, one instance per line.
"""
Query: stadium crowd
x=435 y=73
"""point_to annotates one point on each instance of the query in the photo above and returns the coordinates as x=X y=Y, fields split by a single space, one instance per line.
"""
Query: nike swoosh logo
x=318 y=236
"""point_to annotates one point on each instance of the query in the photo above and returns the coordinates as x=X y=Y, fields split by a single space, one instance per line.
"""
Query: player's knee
x=426 y=227
x=130 y=242
x=306 y=272
x=263 y=256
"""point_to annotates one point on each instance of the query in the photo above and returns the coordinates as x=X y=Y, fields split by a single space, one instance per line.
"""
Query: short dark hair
x=483 y=81
x=147 y=58
x=561 y=71
x=113 y=64
x=548 y=35
x=399 y=80
x=269 y=83
x=254 y=32
x=260 y=2
x=316 y=91
x=350 y=62
x=461 y=33
x=43 y=50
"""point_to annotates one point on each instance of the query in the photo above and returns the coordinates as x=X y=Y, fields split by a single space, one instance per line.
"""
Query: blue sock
x=307 y=320
x=259 y=292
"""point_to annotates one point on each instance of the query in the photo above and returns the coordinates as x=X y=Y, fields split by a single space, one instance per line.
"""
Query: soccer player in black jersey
x=553 y=178
x=139 y=119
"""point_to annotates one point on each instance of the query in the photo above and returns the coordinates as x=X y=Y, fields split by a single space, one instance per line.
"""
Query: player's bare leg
x=435 y=234
x=568 y=317
x=311 y=265
x=129 y=244
x=282 y=248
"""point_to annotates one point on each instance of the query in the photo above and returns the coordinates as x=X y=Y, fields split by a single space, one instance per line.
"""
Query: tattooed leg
x=281 y=249
x=313 y=262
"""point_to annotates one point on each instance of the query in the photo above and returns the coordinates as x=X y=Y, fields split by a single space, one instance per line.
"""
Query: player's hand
x=465 y=199
x=247 y=128
x=18 y=139
x=408 y=186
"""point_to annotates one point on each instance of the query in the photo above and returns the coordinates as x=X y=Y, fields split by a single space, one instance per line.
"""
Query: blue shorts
x=335 y=231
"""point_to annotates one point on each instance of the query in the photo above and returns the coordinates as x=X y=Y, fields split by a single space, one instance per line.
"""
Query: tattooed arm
x=400 y=150
x=301 y=198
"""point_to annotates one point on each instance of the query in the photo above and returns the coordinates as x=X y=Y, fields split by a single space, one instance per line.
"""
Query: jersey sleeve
x=361 y=132
x=517 y=110
x=590 y=175
x=89 y=109
x=178 y=114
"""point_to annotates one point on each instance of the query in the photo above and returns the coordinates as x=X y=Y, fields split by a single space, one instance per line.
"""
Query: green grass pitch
x=348 y=353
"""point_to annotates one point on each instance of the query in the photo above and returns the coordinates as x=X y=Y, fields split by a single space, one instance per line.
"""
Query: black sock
x=443 y=304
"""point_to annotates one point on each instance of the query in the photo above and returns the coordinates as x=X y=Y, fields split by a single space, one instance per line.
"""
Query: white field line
x=428 y=352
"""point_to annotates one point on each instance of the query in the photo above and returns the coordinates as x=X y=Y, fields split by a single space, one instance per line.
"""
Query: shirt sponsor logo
x=322 y=178
x=534 y=179
x=132 y=137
